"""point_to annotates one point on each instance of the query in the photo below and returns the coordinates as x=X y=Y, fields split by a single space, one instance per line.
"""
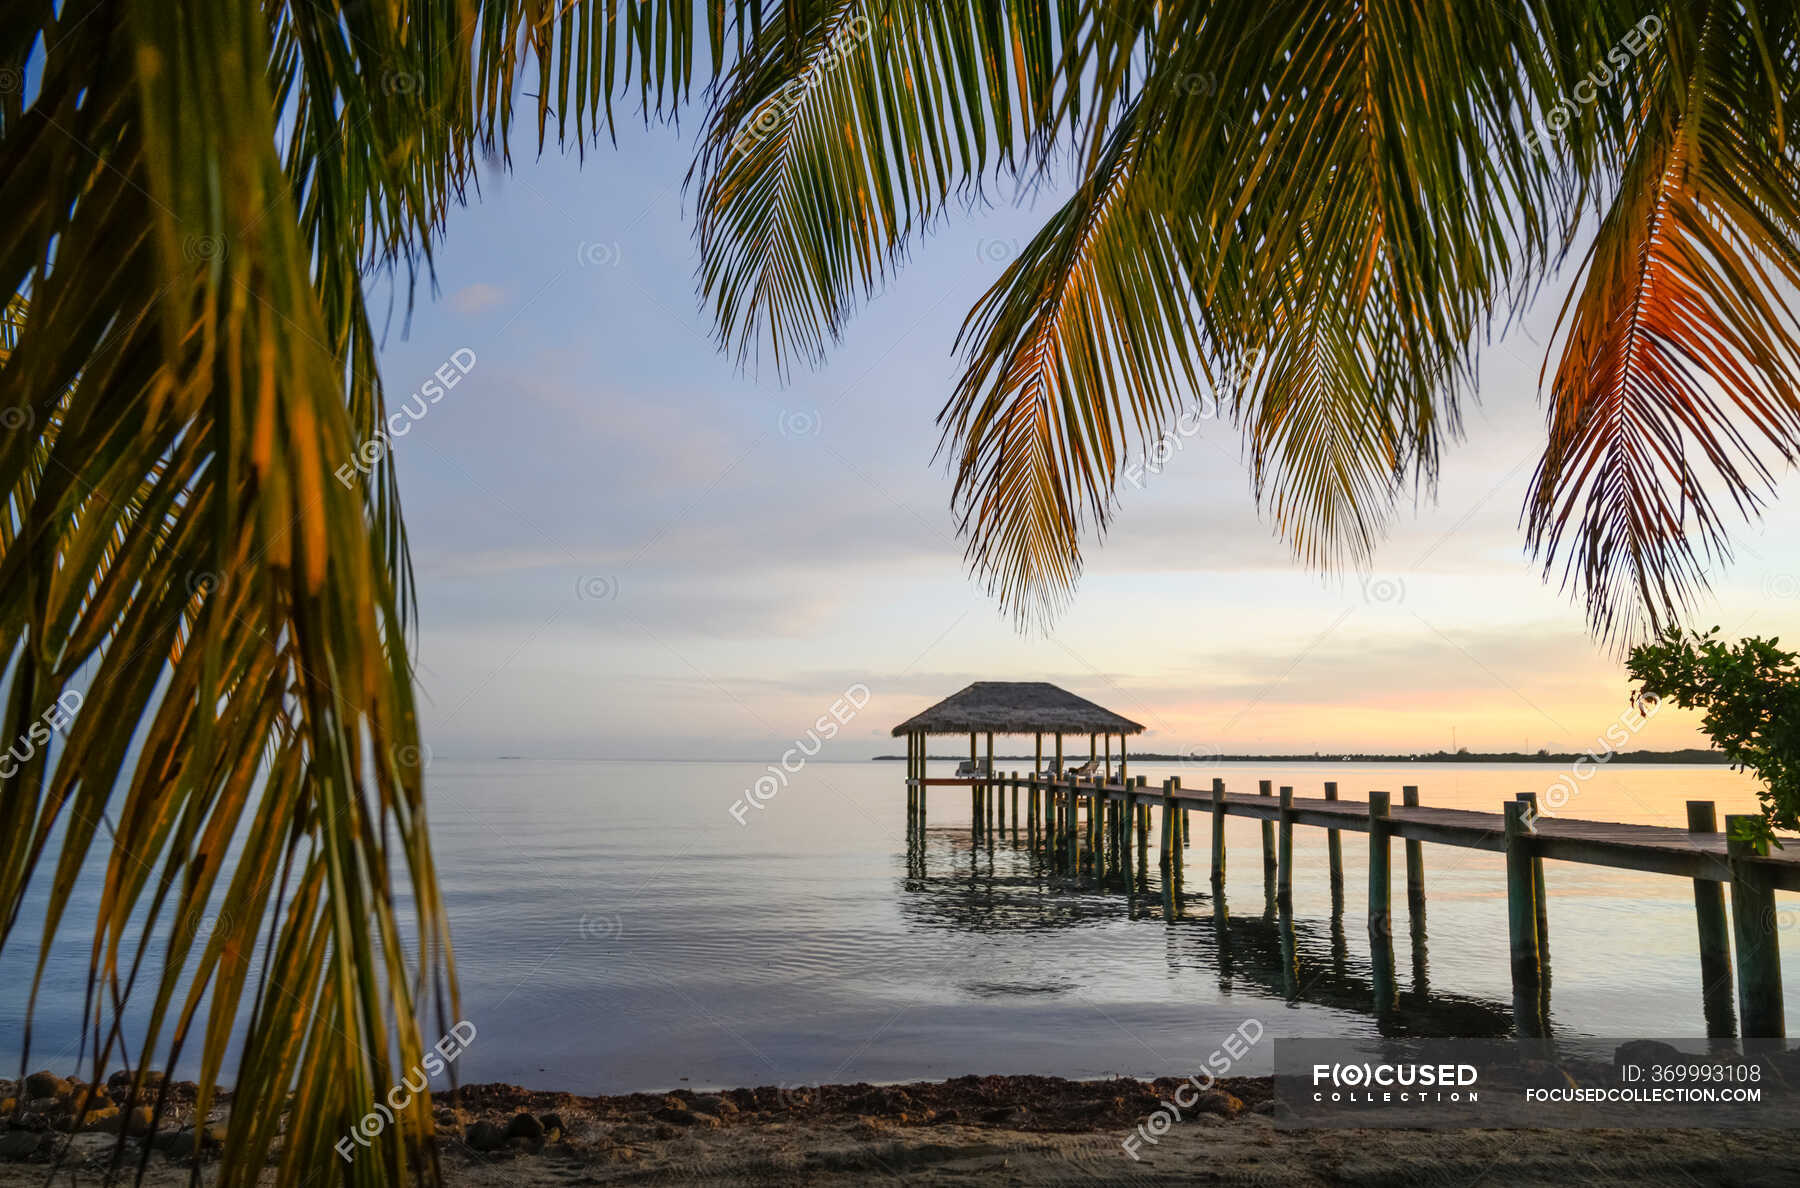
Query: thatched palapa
x=1016 y=707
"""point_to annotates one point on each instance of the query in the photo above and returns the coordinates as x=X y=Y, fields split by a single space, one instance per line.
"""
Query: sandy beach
x=1007 y=1130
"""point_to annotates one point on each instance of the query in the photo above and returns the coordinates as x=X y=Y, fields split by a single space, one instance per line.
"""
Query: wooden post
x=1177 y=861
x=912 y=789
x=1267 y=788
x=1521 y=919
x=1537 y=882
x=1334 y=853
x=1097 y=828
x=1753 y=920
x=1124 y=775
x=1715 y=935
x=1075 y=837
x=1381 y=908
x=1034 y=810
x=974 y=787
x=1127 y=810
x=1415 y=865
x=923 y=748
x=1169 y=830
x=1284 y=885
x=1218 y=837
x=1059 y=758
x=1284 y=898
x=992 y=791
x=1108 y=768
x=1142 y=821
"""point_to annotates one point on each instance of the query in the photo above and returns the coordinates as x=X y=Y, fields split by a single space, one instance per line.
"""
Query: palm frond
x=841 y=132
x=1680 y=351
x=1088 y=336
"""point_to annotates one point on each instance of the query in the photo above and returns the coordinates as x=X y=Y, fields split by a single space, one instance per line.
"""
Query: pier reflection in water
x=998 y=882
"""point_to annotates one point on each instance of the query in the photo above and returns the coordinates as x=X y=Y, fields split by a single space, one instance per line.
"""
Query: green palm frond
x=196 y=194
x=841 y=132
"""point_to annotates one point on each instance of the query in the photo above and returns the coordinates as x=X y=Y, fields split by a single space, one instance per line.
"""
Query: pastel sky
x=628 y=547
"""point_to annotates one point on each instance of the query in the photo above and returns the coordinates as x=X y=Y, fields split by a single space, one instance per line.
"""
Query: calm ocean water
x=617 y=929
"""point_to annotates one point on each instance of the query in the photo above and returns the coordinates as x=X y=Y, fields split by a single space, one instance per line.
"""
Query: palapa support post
x=1715 y=935
x=1284 y=886
x=1381 y=908
x=912 y=775
x=1415 y=866
x=1267 y=788
x=919 y=736
x=1521 y=920
x=1124 y=775
x=1754 y=921
x=1334 y=854
x=919 y=771
x=1218 y=837
x=1058 y=774
x=992 y=791
x=975 y=806
x=1108 y=768
x=1074 y=841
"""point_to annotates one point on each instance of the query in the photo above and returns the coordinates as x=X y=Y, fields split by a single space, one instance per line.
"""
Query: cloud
x=476 y=298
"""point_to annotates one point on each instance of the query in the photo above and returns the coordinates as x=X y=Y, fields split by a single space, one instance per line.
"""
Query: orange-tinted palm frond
x=1681 y=356
x=1088 y=339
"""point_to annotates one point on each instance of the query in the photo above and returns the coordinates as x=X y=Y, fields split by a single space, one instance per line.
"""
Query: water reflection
x=995 y=883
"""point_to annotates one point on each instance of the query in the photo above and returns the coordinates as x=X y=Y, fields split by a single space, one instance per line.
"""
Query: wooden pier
x=1080 y=826
x=1098 y=827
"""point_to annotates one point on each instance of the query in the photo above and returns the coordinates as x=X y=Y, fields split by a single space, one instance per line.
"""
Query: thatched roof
x=1016 y=707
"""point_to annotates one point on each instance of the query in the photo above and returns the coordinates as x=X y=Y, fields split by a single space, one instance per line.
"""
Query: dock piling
x=1381 y=908
x=1284 y=886
x=1267 y=788
x=1543 y=899
x=1715 y=935
x=1754 y=921
x=1415 y=865
x=1218 y=838
x=1334 y=853
x=1521 y=920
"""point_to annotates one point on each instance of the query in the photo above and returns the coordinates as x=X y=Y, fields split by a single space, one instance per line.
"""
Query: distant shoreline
x=1693 y=756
